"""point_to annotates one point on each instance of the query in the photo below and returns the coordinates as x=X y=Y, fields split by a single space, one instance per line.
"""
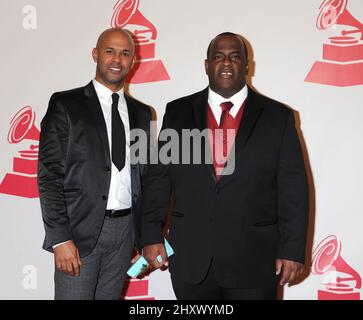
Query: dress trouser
x=209 y=289
x=103 y=271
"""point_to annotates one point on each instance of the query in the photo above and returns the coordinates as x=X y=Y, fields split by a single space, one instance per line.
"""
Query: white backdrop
x=46 y=47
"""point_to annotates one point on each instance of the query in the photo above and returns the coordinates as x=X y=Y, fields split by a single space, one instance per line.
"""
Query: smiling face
x=115 y=56
x=226 y=65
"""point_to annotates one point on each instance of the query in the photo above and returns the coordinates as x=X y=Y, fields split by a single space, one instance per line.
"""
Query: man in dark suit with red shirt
x=237 y=235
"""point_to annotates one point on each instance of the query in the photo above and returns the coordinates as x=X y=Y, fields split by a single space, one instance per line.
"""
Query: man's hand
x=291 y=270
x=135 y=255
x=152 y=251
x=67 y=258
x=144 y=272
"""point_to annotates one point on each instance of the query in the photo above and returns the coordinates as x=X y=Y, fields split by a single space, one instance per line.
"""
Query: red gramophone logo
x=22 y=181
x=341 y=281
x=147 y=68
x=342 y=63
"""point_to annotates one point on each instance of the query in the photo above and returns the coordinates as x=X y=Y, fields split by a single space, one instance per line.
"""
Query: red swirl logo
x=329 y=12
x=326 y=252
x=21 y=124
x=123 y=11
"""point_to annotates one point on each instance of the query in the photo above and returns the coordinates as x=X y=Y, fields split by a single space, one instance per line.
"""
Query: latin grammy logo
x=342 y=282
x=342 y=63
x=23 y=181
x=146 y=68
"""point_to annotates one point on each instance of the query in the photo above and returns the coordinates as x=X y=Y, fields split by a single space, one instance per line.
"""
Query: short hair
x=229 y=34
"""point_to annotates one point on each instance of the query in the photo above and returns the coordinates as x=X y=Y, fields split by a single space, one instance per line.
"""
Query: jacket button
x=218 y=189
x=108 y=168
x=104 y=197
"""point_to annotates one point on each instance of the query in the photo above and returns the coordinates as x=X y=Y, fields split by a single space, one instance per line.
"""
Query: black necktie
x=118 y=135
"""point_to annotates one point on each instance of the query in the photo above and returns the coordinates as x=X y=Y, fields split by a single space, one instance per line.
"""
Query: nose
x=116 y=57
x=226 y=61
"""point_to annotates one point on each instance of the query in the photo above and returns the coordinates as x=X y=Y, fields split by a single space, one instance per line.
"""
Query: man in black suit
x=233 y=234
x=88 y=183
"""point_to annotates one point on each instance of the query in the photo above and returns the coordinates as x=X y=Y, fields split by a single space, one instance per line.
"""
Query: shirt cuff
x=58 y=244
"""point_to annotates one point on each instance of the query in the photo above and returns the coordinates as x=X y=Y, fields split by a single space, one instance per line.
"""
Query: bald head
x=108 y=32
x=115 y=57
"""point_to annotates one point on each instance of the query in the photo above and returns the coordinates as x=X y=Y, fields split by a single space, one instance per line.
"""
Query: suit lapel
x=136 y=169
x=132 y=111
x=200 y=118
x=95 y=111
x=250 y=116
x=249 y=119
x=199 y=110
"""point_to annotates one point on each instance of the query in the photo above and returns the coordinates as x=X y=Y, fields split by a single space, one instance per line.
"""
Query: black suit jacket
x=245 y=220
x=74 y=166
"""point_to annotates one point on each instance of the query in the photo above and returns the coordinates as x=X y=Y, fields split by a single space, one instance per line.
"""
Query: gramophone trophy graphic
x=342 y=63
x=23 y=181
x=147 y=68
x=342 y=282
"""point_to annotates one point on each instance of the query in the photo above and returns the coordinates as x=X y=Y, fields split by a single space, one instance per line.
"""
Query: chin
x=115 y=81
x=225 y=89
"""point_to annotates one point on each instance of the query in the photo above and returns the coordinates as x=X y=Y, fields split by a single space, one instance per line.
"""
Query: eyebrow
x=127 y=50
x=222 y=52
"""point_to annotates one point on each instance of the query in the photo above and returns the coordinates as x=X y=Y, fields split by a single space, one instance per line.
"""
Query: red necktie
x=226 y=107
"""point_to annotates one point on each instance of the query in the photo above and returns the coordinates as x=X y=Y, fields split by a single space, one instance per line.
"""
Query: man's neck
x=113 y=87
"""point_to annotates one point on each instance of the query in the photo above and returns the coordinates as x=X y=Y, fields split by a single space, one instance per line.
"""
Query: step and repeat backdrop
x=306 y=54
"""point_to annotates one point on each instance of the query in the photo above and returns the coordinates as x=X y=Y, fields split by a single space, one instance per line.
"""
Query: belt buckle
x=114 y=213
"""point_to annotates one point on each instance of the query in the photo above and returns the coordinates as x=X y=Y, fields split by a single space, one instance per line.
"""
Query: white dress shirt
x=119 y=196
x=215 y=100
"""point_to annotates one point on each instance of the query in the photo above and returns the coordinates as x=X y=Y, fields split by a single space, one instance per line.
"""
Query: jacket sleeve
x=155 y=201
x=293 y=196
x=54 y=138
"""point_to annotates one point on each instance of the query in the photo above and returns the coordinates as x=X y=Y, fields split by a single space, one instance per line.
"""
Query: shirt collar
x=105 y=93
x=214 y=100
